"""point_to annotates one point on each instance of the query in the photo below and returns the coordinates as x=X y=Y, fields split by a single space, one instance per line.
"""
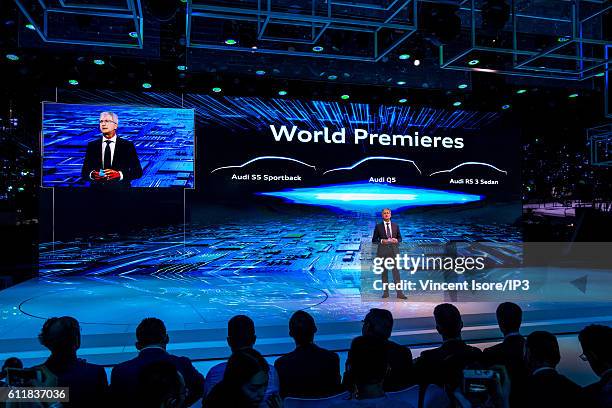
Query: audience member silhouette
x=444 y=365
x=151 y=342
x=309 y=371
x=509 y=352
x=11 y=362
x=244 y=383
x=240 y=336
x=87 y=382
x=545 y=387
x=160 y=385
x=368 y=367
x=596 y=342
x=379 y=323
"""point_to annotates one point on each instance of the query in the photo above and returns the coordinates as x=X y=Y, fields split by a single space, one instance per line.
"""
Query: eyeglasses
x=583 y=357
x=107 y=121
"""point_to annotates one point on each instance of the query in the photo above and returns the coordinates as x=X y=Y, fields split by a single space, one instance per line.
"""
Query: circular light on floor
x=457 y=103
x=30 y=26
x=401 y=82
x=230 y=41
x=600 y=74
x=98 y=61
x=521 y=91
x=216 y=89
x=417 y=62
x=73 y=82
x=12 y=57
x=146 y=85
x=504 y=107
x=260 y=72
x=317 y=48
x=181 y=67
x=404 y=56
x=462 y=86
x=474 y=62
x=282 y=93
x=403 y=100
x=133 y=34
x=574 y=95
x=332 y=77
x=344 y=97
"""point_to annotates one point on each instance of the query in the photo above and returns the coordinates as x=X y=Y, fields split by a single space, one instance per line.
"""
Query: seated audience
x=596 y=342
x=240 y=336
x=368 y=367
x=151 y=342
x=11 y=362
x=87 y=382
x=160 y=385
x=545 y=387
x=309 y=371
x=509 y=353
x=444 y=365
x=379 y=323
x=244 y=383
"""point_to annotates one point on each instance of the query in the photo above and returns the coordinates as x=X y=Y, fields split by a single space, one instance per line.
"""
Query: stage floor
x=196 y=310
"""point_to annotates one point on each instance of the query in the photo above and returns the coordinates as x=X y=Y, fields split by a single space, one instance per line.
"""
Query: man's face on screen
x=107 y=125
x=386 y=215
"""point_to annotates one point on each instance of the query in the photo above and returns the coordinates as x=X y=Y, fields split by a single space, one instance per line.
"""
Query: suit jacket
x=599 y=394
x=87 y=382
x=509 y=353
x=388 y=250
x=309 y=371
x=401 y=373
x=444 y=365
x=124 y=377
x=548 y=388
x=125 y=160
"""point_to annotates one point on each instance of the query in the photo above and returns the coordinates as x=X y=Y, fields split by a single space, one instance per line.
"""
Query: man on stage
x=388 y=236
x=111 y=161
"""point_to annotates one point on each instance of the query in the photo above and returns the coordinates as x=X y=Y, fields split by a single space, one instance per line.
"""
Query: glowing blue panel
x=369 y=196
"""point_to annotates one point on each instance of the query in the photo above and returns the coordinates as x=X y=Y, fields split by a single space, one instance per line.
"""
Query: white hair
x=112 y=115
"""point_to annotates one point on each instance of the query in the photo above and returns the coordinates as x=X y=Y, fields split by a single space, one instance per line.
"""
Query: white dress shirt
x=113 y=142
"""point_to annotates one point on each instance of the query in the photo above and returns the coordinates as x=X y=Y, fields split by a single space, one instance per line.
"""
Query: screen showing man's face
x=386 y=215
x=107 y=124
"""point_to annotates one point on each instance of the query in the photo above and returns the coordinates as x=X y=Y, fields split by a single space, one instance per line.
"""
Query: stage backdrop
x=284 y=187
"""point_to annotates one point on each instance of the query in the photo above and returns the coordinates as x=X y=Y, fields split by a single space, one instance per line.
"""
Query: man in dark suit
x=545 y=386
x=87 y=382
x=309 y=371
x=115 y=156
x=151 y=341
x=596 y=342
x=444 y=365
x=378 y=323
x=387 y=236
x=510 y=352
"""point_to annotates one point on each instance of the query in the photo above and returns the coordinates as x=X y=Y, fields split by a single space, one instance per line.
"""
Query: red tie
x=388 y=229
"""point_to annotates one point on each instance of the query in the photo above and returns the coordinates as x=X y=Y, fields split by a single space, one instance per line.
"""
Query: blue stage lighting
x=282 y=93
x=574 y=95
x=521 y=91
x=133 y=34
x=181 y=67
x=332 y=77
x=260 y=72
x=12 y=57
x=30 y=26
x=368 y=197
x=146 y=85
x=474 y=62
x=403 y=100
x=73 y=82
x=457 y=103
x=216 y=89
x=404 y=56
x=230 y=41
x=98 y=61
x=462 y=86
x=401 y=82
x=317 y=48
x=504 y=107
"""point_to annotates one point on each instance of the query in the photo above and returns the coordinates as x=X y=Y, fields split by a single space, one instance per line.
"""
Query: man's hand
x=111 y=174
x=394 y=240
x=95 y=175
